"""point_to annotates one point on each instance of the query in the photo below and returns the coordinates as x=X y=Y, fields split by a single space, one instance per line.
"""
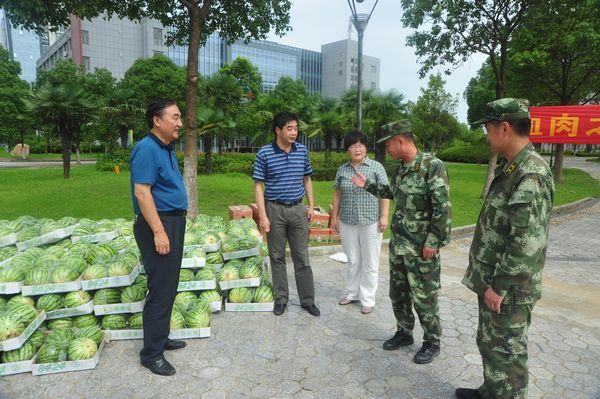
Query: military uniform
x=422 y=218
x=507 y=254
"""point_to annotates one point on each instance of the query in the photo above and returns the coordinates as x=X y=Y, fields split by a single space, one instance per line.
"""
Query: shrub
x=116 y=157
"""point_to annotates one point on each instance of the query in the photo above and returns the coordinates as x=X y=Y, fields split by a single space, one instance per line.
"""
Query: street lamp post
x=360 y=22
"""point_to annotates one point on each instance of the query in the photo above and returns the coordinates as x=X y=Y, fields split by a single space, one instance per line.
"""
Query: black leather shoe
x=398 y=340
x=278 y=309
x=160 y=366
x=312 y=309
x=174 y=344
x=426 y=354
x=467 y=393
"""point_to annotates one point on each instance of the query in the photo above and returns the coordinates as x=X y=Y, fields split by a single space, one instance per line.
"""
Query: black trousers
x=163 y=279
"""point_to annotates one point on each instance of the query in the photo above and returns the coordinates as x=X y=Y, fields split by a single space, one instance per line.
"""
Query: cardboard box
x=193 y=263
x=216 y=267
x=239 y=212
x=242 y=254
x=69 y=312
x=215 y=306
x=63 y=367
x=116 y=308
x=110 y=282
x=118 y=335
x=100 y=237
x=29 y=290
x=16 y=367
x=212 y=247
x=196 y=285
x=185 y=333
x=318 y=236
x=249 y=307
x=48 y=238
x=320 y=219
x=7 y=240
x=11 y=288
x=17 y=342
x=245 y=282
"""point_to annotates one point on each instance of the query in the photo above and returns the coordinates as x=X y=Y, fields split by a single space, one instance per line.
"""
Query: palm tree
x=329 y=121
x=381 y=109
x=123 y=110
x=63 y=108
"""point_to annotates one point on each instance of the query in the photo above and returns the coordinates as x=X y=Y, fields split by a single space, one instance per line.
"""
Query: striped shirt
x=357 y=206
x=283 y=173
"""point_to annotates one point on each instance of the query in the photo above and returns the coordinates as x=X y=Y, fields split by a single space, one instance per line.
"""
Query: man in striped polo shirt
x=283 y=167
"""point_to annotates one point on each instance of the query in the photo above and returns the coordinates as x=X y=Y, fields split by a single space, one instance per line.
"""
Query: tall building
x=340 y=66
x=23 y=46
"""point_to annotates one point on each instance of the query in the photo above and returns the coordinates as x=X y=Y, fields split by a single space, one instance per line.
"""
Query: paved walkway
x=339 y=355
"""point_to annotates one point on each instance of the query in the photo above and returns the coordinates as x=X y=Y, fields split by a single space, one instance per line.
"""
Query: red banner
x=567 y=124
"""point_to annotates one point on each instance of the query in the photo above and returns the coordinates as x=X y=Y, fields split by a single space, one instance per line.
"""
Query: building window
x=86 y=63
x=158 y=40
x=340 y=73
x=85 y=37
x=373 y=69
x=158 y=52
x=373 y=86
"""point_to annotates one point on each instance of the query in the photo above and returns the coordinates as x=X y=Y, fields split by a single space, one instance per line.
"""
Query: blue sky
x=316 y=22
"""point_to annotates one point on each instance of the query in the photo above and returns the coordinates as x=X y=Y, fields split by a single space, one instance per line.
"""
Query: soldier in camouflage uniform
x=420 y=227
x=508 y=251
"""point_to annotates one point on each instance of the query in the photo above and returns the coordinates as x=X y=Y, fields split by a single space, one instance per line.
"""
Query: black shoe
x=174 y=344
x=278 y=309
x=426 y=354
x=160 y=366
x=312 y=309
x=399 y=339
x=467 y=393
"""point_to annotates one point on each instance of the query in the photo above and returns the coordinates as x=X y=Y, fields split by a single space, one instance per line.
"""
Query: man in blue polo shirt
x=160 y=204
x=284 y=168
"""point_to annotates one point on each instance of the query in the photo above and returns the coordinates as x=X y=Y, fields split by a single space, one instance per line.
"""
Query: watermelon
x=10 y=326
x=114 y=322
x=263 y=294
x=23 y=312
x=237 y=263
x=67 y=221
x=249 y=271
x=25 y=352
x=214 y=258
x=28 y=232
x=177 y=320
x=240 y=295
x=19 y=299
x=95 y=271
x=7 y=252
x=132 y=293
x=199 y=304
x=119 y=268
x=37 y=338
x=107 y=296
x=38 y=276
x=205 y=273
x=85 y=320
x=76 y=298
x=55 y=251
x=185 y=298
x=141 y=281
x=51 y=353
x=60 y=324
x=64 y=274
x=136 y=321
x=49 y=302
x=61 y=337
x=81 y=349
x=46 y=261
x=11 y=274
x=119 y=244
x=228 y=273
x=264 y=249
x=76 y=263
x=210 y=296
x=186 y=275
x=197 y=318
x=94 y=332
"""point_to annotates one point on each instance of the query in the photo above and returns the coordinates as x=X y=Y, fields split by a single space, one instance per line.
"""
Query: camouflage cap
x=390 y=130
x=505 y=109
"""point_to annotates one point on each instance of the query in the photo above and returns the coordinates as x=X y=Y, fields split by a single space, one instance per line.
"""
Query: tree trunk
x=190 y=163
x=557 y=168
x=379 y=148
x=77 y=155
x=338 y=140
x=328 y=141
x=66 y=154
x=207 y=153
x=123 y=135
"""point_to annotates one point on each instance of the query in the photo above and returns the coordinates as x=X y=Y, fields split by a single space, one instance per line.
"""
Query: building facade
x=340 y=67
x=23 y=46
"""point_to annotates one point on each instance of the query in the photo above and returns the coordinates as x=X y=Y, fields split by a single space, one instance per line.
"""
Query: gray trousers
x=289 y=224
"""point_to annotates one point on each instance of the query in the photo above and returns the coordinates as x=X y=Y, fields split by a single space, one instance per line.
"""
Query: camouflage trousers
x=415 y=282
x=502 y=342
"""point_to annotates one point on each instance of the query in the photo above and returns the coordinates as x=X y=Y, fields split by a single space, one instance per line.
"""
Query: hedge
x=465 y=154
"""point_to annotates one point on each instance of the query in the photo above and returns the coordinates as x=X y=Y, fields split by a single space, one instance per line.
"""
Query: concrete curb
x=462 y=231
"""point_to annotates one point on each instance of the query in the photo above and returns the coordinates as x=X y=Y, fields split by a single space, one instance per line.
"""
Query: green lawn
x=96 y=195
x=48 y=157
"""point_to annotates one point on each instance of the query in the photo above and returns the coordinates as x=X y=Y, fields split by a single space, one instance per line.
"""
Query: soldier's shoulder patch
x=417 y=166
x=511 y=168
